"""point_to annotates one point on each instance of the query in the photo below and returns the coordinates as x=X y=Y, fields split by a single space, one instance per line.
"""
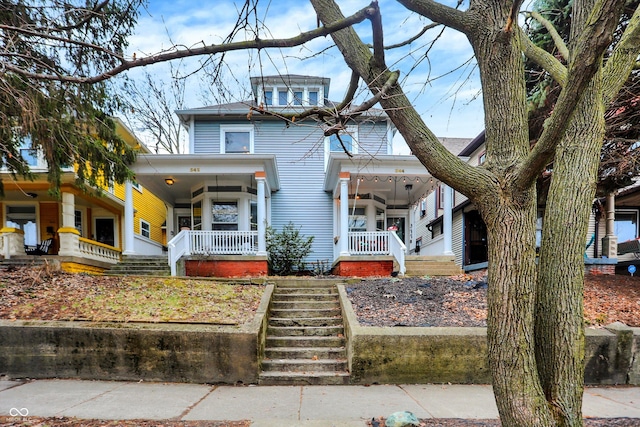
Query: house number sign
x=194 y=170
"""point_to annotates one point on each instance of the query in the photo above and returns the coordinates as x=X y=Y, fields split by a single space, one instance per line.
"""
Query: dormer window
x=283 y=94
x=268 y=97
x=297 y=97
x=313 y=97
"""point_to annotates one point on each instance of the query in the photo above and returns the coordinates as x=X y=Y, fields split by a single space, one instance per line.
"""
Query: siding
x=457 y=230
x=301 y=199
x=372 y=138
x=207 y=136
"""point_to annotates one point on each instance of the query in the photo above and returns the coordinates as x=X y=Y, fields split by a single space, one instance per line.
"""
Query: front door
x=475 y=239
x=397 y=224
x=105 y=231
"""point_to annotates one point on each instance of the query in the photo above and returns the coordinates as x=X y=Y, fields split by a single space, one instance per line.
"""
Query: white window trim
x=142 y=221
x=136 y=186
x=351 y=130
x=236 y=128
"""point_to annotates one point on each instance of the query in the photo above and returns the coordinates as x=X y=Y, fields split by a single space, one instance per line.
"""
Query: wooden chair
x=41 y=249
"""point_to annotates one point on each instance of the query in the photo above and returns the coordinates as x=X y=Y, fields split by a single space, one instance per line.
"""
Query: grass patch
x=129 y=299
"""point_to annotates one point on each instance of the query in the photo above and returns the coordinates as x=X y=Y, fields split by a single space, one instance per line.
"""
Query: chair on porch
x=41 y=249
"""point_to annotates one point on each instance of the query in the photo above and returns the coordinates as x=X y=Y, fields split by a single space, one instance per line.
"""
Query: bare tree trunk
x=559 y=311
x=510 y=300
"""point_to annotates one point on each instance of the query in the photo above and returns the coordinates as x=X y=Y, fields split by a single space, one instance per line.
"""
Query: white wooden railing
x=98 y=251
x=369 y=243
x=398 y=250
x=378 y=243
x=196 y=242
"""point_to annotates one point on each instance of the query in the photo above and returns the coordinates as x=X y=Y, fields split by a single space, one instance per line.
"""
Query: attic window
x=313 y=97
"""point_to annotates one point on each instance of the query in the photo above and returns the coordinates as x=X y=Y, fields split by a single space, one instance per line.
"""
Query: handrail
x=398 y=249
x=178 y=246
x=378 y=243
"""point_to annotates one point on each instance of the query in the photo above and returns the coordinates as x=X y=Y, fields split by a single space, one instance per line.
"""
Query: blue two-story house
x=251 y=166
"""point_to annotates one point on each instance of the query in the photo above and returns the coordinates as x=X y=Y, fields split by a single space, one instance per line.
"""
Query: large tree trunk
x=510 y=298
x=560 y=293
x=559 y=311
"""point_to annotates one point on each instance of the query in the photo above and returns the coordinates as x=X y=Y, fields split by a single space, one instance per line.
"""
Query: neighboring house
x=83 y=230
x=247 y=171
x=469 y=234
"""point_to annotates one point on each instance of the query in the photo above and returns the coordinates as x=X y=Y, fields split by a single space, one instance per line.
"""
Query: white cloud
x=188 y=23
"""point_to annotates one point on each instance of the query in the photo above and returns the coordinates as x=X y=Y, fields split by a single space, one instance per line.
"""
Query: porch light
x=169 y=181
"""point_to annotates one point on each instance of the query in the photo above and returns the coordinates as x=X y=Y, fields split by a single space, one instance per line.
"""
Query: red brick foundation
x=363 y=268
x=598 y=269
x=226 y=268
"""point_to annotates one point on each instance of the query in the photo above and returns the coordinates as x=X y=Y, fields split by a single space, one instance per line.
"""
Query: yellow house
x=84 y=231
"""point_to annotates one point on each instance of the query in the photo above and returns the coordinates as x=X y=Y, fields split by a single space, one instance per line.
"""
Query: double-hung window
x=235 y=139
x=145 y=229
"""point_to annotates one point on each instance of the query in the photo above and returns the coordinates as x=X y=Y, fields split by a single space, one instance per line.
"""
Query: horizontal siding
x=372 y=138
x=207 y=137
x=457 y=230
x=301 y=198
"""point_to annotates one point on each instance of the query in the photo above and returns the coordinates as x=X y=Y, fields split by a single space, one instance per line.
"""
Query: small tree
x=287 y=250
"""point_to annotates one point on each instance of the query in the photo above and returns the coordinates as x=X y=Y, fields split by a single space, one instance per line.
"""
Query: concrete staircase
x=428 y=265
x=140 y=265
x=305 y=341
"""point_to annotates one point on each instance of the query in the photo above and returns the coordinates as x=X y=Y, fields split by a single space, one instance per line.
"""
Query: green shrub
x=287 y=250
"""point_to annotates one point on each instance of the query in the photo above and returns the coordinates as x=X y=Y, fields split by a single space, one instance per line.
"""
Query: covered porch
x=79 y=230
x=218 y=210
x=374 y=203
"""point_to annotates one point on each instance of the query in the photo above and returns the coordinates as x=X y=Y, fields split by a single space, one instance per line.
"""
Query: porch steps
x=427 y=265
x=140 y=265
x=305 y=341
x=26 y=261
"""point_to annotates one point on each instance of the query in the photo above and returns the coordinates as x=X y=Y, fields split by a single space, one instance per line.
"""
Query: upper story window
x=482 y=158
x=297 y=97
x=349 y=138
x=283 y=96
x=287 y=96
x=236 y=139
x=268 y=97
x=313 y=97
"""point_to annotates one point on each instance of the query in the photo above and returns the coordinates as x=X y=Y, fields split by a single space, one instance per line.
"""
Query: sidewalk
x=269 y=406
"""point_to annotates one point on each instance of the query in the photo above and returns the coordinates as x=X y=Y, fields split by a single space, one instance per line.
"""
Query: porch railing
x=98 y=251
x=398 y=249
x=196 y=242
x=369 y=243
x=378 y=243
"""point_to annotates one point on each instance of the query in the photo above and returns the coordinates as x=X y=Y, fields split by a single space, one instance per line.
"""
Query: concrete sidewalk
x=268 y=406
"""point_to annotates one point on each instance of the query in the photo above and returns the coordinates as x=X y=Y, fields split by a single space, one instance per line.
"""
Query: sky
x=443 y=86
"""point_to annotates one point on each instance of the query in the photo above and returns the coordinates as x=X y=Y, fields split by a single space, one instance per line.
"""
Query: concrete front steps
x=431 y=265
x=305 y=341
x=141 y=265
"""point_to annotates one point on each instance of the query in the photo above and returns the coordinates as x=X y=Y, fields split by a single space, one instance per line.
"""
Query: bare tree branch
x=186 y=52
x=557 y=40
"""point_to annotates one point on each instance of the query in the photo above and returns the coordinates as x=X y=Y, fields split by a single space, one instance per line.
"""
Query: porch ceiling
x=189 y=170
x=398 y=179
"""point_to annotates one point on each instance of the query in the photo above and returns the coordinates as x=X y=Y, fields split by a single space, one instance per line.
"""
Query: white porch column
x=262 y=213
x=344 y=213
x=610 y=240
x=68 y=235
x=170 y=226
x=128 y=220
x=68 y=210
x=447 y=219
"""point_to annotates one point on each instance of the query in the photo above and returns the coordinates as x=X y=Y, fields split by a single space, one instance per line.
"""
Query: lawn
x=44 y=294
